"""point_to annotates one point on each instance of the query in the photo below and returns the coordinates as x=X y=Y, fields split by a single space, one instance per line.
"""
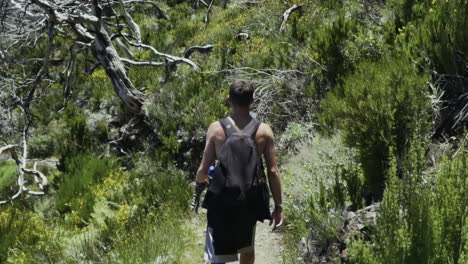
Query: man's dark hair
x=241 y=92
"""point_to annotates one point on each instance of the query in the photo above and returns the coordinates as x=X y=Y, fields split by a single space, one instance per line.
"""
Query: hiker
x=232 y=222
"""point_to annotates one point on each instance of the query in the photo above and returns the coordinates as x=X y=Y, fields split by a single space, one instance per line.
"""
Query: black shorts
x=229 y=232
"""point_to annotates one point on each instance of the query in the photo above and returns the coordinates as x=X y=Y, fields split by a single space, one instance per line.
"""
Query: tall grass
x=162 y=239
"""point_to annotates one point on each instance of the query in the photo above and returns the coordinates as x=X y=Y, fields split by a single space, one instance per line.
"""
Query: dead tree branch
x=170 y=58
x=202 y=49
x=40 y=178
x=201 y=1
x=207 y=16
x=133 y=26
x=145 y=63
x=8 y=148
x=92 y=25
x=286 y=15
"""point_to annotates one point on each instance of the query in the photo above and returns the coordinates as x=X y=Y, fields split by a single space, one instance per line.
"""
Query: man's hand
x=277 y=217
x=201 y=178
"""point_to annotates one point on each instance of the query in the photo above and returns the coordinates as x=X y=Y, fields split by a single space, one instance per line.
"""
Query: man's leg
x=247 y=257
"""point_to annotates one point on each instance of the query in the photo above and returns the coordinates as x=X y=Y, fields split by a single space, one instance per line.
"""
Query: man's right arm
x=209 y=154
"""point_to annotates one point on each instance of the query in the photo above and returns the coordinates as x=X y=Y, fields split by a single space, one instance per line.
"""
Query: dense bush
x=433 y=33
x=451 y=220
x=8 y=176
x=81 y=173
x=25 y=237
x=42 y=146
x=421 y=221
x=76 y=136
x=352 y=176
x=378 y=107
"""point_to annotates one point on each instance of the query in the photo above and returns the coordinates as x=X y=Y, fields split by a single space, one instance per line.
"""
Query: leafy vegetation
x=362 y=97
x=431 y=227
x=379 y=107
x=8 y=172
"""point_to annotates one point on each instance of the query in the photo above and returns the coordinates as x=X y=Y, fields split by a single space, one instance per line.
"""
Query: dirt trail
x=268 y=245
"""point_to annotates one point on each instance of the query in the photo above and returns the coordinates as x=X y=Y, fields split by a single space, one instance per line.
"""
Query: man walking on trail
x=231 y=228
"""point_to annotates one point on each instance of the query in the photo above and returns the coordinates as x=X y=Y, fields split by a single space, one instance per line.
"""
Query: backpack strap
x=228 y=127
x=252 y=127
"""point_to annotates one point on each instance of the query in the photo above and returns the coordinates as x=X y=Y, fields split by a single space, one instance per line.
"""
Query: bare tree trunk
x=107 y=56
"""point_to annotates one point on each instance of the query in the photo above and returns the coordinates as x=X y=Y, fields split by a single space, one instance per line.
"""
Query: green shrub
x=183 y=111
x=8 y=177
x=451 y=194
x=160 y=187
x=433 y=34
x=294 y=137
x=25 y=238
x=139 y=216
x=353 y=176
x=442 y=35
x=77 y=136
x=42 y=146
x=324 y=214
x=331 y=43
x=101 y=133
x=360 y=252
x=379 y=106
x=419 y=222
x=81 y=173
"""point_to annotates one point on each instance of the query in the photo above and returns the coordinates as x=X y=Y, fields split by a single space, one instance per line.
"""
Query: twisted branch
x=201 y=49
x=286 y=15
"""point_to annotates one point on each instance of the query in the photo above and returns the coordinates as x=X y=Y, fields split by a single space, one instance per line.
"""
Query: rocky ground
x=356 y=224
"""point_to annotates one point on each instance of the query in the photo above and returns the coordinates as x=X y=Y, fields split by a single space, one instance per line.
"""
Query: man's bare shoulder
x=215 y=130
x=264 y=127
x=264 y=130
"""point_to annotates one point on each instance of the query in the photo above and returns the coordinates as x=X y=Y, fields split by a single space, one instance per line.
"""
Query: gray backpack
x=239 y=180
